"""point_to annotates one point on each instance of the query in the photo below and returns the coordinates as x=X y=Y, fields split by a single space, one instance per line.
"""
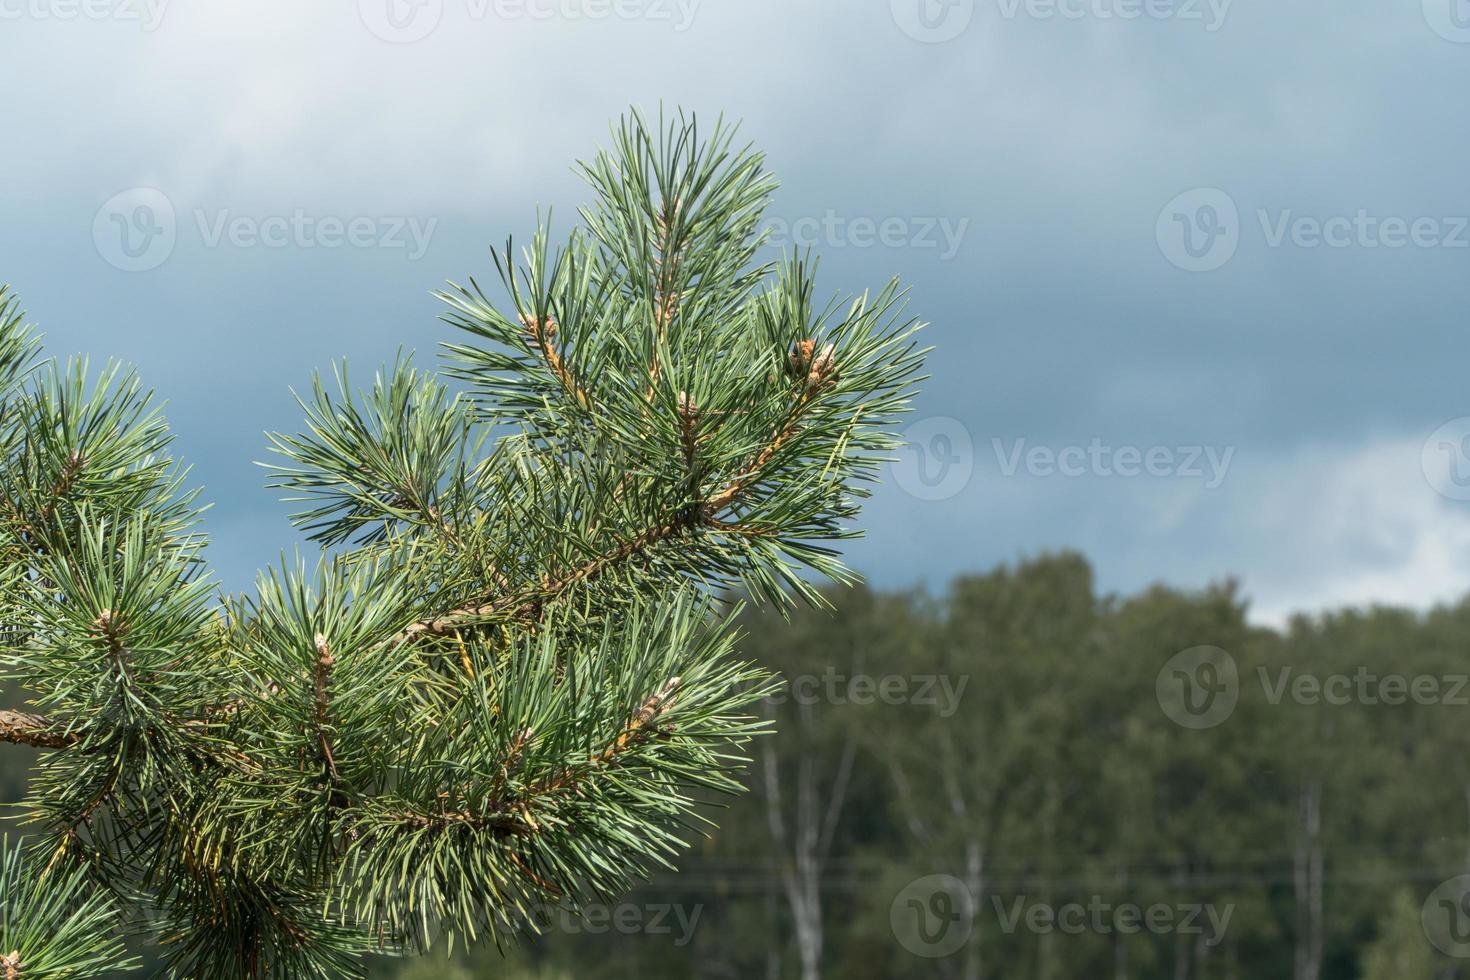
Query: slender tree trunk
x=1048 y=848
x=975 y=882
x=806 y=885
x=800 y=873
x=956 y=788
x=806 y=843
x=1308 y=881
x=809 y=940
x=1120 y=945
x=773 y=947
x=1467 y=808
x=1182 y=949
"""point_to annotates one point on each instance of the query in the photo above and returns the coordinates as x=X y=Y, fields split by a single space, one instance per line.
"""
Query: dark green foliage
x=1060 y=772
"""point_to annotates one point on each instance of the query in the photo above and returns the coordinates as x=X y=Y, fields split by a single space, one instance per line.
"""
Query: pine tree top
x=509 y=677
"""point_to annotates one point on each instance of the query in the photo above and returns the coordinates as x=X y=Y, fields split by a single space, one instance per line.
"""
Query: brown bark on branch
x=542 y=335
x=21 y=728
x=321 y=681
x=527 y=601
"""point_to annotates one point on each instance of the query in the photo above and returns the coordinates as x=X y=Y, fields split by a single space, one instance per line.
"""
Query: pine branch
x=527 y=603
x=816 y=371
x=23 y=728
x=815 y=374
x=512 y=678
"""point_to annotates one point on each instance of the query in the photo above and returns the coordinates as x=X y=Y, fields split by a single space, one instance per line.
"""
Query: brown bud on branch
x=658 y=704
x=688 y=409
x=815 y=368
x=545 y=328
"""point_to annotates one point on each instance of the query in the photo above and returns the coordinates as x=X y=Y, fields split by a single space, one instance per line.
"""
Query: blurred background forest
x=1020 y=778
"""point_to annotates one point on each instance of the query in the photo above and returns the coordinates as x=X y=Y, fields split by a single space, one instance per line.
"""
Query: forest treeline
x=1116 y=801
x=1021 y=778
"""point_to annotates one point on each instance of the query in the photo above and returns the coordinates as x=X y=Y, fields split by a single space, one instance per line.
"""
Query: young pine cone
x=815 y=367
x=546 y=328
x=688 y=409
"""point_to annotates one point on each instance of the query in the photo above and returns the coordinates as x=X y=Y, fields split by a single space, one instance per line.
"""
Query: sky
x=1195 y=269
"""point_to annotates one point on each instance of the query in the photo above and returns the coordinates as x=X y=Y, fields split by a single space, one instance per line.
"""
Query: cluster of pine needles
x=509 y=677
